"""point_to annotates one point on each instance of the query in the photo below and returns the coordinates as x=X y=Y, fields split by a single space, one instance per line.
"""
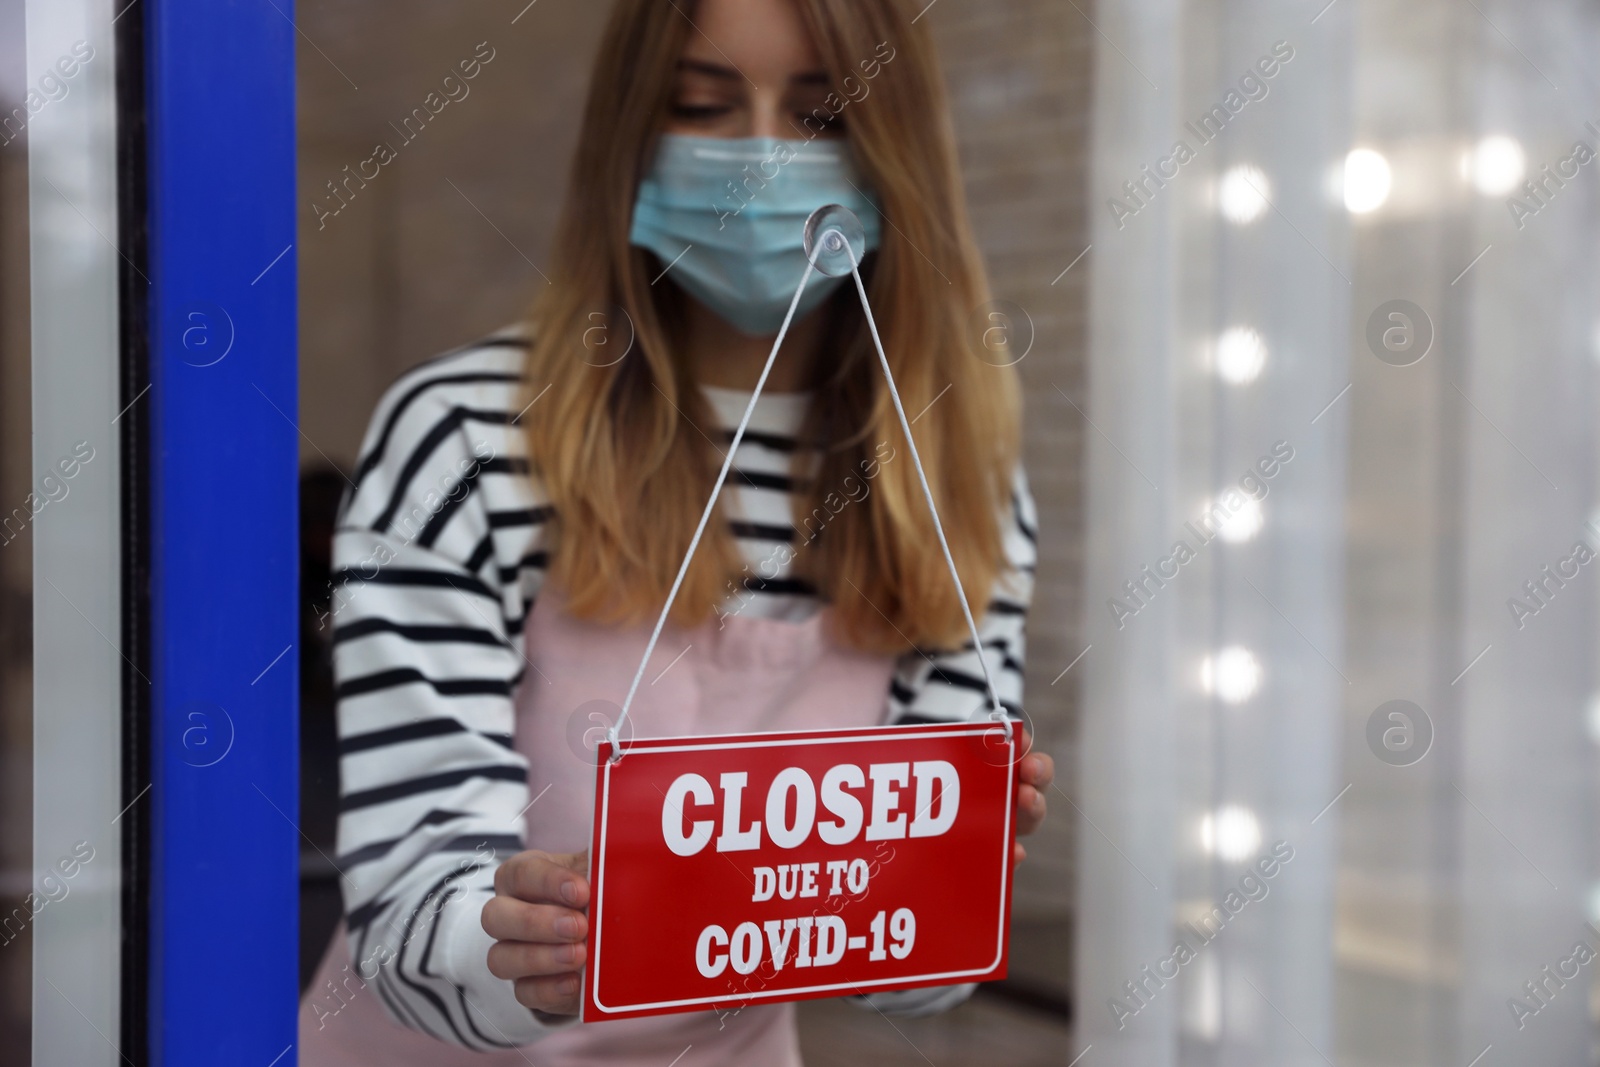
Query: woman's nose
x=766 y=114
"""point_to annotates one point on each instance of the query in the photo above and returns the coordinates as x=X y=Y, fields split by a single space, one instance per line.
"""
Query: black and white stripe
x=439 y=555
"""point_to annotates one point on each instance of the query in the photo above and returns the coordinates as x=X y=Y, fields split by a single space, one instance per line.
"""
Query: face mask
x=728 y=216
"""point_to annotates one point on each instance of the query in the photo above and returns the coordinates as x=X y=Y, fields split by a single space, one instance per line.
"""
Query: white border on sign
x=636 y=749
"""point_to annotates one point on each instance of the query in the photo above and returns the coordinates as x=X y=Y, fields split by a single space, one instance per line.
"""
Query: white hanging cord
x=997 y=710
x=613 y=733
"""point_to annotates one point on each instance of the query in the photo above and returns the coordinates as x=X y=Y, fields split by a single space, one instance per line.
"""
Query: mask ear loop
x=997 y=711
x=613 y=732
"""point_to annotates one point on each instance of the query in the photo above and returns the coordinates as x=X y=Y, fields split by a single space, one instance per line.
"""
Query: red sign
x=764 y=867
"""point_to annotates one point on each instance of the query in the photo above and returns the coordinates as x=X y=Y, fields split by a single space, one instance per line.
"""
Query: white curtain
x=1343 y=409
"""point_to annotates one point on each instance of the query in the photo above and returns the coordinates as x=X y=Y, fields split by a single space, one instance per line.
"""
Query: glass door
x=160 y=505
x=68 y=513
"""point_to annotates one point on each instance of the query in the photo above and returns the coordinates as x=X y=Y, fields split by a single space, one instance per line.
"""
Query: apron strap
x=832 y=239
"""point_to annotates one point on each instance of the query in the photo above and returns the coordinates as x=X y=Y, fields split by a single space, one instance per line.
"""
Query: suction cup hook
x=838 y=233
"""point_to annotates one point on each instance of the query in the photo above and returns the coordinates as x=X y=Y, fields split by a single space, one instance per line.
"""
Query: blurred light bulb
x=1232 y=675
x=1233 y=832
x=1367 y=179
x=1202 y=1003
x=1243 y=524
x=1496 y=165
x=1242 y=196
x=1241 y=353
x=1593 y=718
x=1594 y=903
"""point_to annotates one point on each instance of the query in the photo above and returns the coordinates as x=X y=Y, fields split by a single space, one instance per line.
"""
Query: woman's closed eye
x=817 y=121
x=697 y=112
x=809 y=99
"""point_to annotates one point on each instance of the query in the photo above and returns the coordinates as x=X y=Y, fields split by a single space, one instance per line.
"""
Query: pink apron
x=732 y=675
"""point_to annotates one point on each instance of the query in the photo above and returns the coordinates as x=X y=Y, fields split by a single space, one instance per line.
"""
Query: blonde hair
x=617 y=447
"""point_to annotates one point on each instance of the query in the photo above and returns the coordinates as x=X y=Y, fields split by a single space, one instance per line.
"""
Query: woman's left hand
x=1035 y=772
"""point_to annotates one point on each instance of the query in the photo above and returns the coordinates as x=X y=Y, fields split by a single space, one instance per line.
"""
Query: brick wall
x=1020 y=76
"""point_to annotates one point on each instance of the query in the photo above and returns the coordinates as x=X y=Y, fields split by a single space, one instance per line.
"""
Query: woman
x=522 y=507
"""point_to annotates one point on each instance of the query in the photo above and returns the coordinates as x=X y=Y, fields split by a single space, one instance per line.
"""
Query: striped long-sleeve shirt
x=439 y=555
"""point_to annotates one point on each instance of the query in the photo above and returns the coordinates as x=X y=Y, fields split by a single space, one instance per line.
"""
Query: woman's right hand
x=539 y=927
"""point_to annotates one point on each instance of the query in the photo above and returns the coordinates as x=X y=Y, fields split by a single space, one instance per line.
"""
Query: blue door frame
x=223 y=550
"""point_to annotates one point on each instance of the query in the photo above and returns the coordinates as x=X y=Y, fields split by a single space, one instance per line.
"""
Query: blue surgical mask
x=728 y=216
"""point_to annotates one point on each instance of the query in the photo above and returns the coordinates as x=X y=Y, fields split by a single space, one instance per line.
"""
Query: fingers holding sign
x=1035 y=772
x=539 y=927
